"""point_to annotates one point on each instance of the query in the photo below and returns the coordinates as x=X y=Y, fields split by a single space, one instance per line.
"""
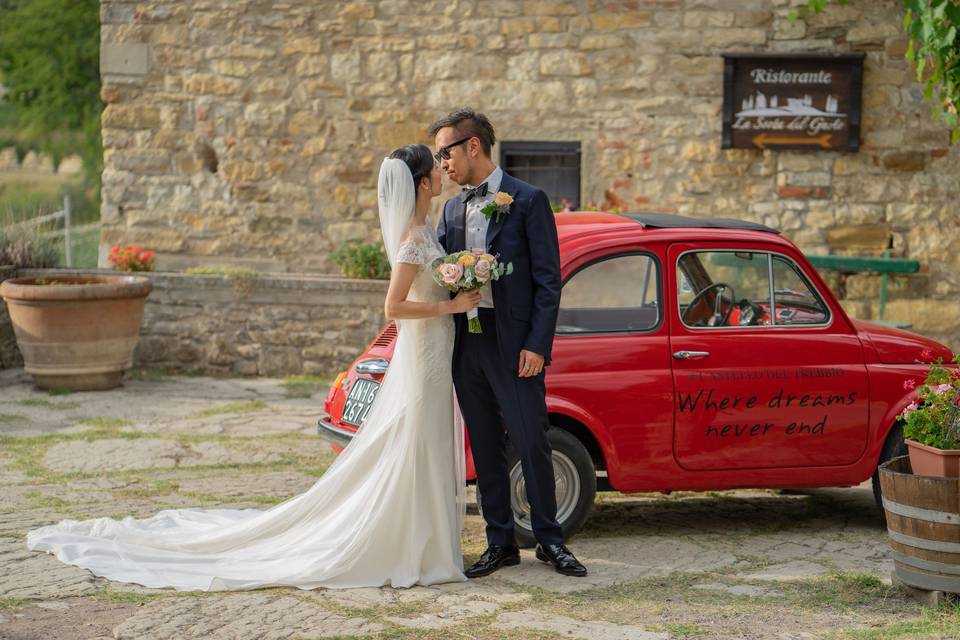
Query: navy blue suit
x=495 y=401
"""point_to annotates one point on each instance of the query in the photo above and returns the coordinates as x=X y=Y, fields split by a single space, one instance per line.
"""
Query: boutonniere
x=499 y=206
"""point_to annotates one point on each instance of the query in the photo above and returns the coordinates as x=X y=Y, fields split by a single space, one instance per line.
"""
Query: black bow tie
x=477 y=192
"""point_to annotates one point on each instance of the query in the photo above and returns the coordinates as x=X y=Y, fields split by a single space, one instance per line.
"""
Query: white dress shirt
x=476 y=226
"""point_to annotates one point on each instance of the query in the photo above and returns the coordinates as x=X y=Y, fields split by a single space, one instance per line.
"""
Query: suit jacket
x=526 y=302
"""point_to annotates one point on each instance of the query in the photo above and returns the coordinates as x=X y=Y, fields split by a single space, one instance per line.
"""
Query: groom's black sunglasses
x=444 y=152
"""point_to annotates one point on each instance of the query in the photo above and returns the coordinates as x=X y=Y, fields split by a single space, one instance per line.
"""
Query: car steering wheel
x=750 y=314
x=719 y=317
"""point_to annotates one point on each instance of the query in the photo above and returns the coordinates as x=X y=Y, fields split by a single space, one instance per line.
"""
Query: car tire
x=576 y=481
x=893 y=447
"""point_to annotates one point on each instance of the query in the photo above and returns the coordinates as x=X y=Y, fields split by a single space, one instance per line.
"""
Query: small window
x=796 y=301
x=615 y=294
x=551 y=166
x=724 y=288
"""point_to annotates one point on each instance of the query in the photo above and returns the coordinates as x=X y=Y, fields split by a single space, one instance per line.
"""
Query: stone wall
x=9 y=353
x=250 y=132
x=272 y=325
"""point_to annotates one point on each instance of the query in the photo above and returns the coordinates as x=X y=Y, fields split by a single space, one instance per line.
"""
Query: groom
x=498 y=374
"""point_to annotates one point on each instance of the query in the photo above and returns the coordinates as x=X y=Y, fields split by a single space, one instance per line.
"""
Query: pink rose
x=941 y=388
x=482 y=270
x=450 y=273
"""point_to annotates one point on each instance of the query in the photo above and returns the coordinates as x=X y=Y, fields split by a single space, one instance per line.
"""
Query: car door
x=766 y=372
x=611 y=366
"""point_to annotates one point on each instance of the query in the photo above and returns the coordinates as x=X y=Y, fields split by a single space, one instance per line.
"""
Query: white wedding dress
x=388 y=511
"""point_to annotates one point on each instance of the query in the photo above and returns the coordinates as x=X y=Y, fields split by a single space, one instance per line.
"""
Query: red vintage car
x=694 y=354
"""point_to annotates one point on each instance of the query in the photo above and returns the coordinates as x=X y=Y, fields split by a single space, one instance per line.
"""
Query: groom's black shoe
x=561 y=559
x=493 y=558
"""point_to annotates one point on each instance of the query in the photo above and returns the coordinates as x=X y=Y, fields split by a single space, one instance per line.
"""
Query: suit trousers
x=496 y=403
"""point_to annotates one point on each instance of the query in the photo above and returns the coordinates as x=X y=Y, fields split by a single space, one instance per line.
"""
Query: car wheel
x=894 y=447
x=576 y=486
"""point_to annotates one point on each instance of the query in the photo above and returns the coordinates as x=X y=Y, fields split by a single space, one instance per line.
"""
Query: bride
x=389 y=509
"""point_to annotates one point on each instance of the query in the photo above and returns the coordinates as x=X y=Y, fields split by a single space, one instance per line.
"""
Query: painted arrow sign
x=765 y=139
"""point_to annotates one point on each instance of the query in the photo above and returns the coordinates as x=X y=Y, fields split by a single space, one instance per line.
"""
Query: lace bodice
x=421 y=247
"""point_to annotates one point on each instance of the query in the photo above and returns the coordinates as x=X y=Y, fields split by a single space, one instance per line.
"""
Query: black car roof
x=673 y=221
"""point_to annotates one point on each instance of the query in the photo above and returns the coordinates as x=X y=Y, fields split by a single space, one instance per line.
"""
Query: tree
x=50 y=77
x=932 y=27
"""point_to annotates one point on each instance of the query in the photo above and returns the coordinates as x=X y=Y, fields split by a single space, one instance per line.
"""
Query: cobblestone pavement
x=737 y=564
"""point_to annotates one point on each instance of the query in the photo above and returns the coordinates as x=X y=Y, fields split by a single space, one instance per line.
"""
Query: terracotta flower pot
x=930 y=461
x=76 y=332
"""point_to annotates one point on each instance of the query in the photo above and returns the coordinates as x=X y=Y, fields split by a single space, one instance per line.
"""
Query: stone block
x=626 y=20
x=124 y=59
x=130 y=116
x=564 y=63
x=859 y=238
x=697 y=19
x=312 y=65
x=552 y=40
x=601 y=41
x=905 y=161
x=518 y=26
x=357 y=11
x=549 y=8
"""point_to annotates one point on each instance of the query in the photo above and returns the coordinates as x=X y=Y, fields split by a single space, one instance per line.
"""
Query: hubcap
x=568 y=491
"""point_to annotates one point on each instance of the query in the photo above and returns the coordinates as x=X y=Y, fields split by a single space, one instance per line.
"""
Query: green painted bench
x=884 y=265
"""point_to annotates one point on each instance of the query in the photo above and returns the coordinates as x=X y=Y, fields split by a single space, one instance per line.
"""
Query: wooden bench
x=884 y=265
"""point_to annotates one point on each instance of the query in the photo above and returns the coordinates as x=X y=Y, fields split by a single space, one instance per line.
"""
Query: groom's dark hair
x=468 y=123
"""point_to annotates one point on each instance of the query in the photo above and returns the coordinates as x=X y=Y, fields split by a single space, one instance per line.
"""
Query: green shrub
x=362 y=260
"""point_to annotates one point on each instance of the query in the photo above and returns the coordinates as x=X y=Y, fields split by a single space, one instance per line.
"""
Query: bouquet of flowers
x=466 y=271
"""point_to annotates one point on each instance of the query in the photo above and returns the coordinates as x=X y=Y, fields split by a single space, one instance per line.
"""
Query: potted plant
x=931 y=423
x=78 y=332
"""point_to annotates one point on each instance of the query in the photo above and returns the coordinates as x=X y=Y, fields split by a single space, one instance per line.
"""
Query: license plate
x=359 y=401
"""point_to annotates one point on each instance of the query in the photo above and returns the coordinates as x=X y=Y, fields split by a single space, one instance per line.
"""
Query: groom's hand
x=531 y=364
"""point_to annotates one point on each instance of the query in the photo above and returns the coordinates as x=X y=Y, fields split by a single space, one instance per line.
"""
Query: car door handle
x=690 y=355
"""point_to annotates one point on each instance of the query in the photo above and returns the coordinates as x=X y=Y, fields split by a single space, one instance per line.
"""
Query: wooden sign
x=792 y=101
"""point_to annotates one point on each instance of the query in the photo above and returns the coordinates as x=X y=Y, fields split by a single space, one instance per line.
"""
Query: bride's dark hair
x=417 y=158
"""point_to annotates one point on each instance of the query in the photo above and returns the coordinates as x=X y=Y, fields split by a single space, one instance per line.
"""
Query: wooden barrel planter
x=923 y=524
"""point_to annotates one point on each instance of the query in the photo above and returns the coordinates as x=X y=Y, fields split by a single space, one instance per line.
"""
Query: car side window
x=620 y=293
x=724 y=288
x=796 y=301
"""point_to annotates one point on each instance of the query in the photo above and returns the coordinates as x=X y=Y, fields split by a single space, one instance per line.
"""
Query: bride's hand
x=465 y=301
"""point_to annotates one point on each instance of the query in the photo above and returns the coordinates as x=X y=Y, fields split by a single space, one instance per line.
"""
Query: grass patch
x=840 y=590
x=932 y=624
x=10 y=417
x=304 y=386
x=680 y=629
x=48 y=404
x=44 y=501
x=7 y=604
x=108 y=595
x=105 y=423
x=222 y=270
x=233 y=407
x=58 y=391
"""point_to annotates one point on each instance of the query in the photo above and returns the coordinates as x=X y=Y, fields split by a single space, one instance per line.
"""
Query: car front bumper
x=332 y=433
